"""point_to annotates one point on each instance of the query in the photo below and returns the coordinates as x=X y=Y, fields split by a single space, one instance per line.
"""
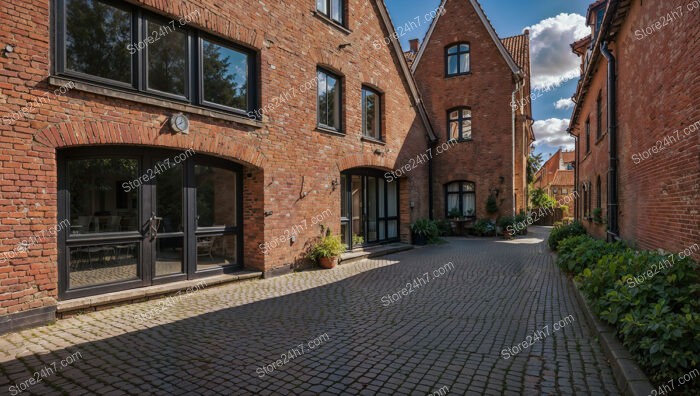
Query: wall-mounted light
x=334 y=184
x=9 y=48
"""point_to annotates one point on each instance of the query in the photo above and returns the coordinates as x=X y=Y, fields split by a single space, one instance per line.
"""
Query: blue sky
x=553 y=24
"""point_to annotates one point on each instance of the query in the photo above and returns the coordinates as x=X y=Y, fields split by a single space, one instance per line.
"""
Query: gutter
x=513 y=110
x=613 y=199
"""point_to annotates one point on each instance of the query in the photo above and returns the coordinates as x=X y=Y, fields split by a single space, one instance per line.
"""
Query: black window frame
x=599 y=193
x=328 y=15
x=457 y=54
x=460 y=120
x=379 y=112
x=461 y=193
x=341 y=84
x=139 y=65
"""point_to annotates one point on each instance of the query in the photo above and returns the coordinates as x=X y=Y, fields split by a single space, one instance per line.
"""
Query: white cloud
x=552 y=133
x=553 y=63
x=564 y=104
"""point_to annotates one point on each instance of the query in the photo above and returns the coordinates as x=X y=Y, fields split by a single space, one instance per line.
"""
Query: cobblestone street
x=347 y=333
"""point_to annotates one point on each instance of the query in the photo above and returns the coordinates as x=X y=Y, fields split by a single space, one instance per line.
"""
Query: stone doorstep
x=372 y=252
x=145 y=293
x=629 y=376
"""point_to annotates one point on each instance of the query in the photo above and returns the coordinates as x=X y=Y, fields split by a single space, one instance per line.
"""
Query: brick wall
x=282 y=156
x=657 y=96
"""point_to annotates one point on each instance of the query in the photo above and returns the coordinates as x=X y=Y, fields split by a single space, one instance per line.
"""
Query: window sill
x=601 y=138
x=158 y=102
x=332 y=22
x=329 y=131
x=372 y=140
x=460 y=140
x=458 y=75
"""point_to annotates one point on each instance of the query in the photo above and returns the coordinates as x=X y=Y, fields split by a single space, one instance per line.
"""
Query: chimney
x=415 y=44
x=527 y=32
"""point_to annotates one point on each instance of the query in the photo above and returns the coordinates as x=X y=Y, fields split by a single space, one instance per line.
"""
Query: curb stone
x=630 y=378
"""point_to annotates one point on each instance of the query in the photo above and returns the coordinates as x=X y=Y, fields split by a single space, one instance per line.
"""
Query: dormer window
x=599 y=19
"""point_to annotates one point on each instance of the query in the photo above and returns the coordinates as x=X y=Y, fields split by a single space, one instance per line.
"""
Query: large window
x=329 y=100
x=460 y=197
x=459 y=124
x=333 y=9
x=118 y=44
x=371 y=114
x=457 y=60
x=134 y=217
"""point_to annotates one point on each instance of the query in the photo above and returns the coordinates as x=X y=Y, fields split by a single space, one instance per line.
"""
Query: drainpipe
x=513 y=111
x=576 y=192
x=613 y=199
x=430 y=181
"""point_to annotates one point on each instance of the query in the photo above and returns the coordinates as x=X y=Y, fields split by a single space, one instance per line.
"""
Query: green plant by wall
x=564 y=231
x=491 y=205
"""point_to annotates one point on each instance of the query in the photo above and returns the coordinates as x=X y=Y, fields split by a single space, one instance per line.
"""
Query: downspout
x=514 y=107
x=613 y=199
x=431 y=145
x=576 y=192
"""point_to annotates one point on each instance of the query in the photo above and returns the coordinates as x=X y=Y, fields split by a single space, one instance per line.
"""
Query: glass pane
x=167 y=59
x=453 y=187
x=343 y=197
x=382 y=209
x=322 y=6
x=371 y=209
x=466 y=113
x=357 y=194
x=225 y=73
x=169 y=197
x=452 y=202
x=467 y=186
x=333 y=102
x=344 y=232
x=98 y=40
x=102 y=264
x=469 y=204
x=393 y=199
x=216 y=251
x=382 y=230
x=454 y=130
x=464 y=48
x=371 y=104
x=464 y=63
x=453 y=50
x=337 y=10
x=452 y=67
x=169 y=257
x=322 y=99
x=104 y=195
x=393 y=231
x=467 y=129
x=216 y=196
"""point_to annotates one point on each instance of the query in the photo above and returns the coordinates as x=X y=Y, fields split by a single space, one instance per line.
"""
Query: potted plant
x=327 y=251
x=455 y=214
x=423 y=231
x=357 y=240
x=505 y=224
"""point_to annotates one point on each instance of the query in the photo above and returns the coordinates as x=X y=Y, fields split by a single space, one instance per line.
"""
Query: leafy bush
x=581 y=252
x=561 y=232
x=521 y=223
x=491 y=205
x=444 y=228
x=506 y=221
x=484 y=227
x=653 y=301
x=428 y=229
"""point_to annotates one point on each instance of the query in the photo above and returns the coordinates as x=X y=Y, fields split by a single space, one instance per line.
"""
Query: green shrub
x=428 y=229
x=581 y=252
x=484 y=227
x=561 y=232
x=653 y=301
x=444 y=228
x=506 y=221
x=329 y=246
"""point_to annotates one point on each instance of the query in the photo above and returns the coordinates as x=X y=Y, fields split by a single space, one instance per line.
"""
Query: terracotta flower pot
x=328 y=262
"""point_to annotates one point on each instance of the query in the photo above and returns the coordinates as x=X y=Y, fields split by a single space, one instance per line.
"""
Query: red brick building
x=556 y=176
x=476 y=88
x=636 y=123
x=150 y=142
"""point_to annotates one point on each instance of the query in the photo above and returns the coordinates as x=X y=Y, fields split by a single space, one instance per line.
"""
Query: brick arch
x=95 y=133
x=365 y=161
x=331 y=61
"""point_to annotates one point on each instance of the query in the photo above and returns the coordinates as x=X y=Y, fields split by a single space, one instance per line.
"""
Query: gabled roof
x=489 y=28
x=519 y=49
x=405 y=69
x=568 y=157
x=563 y=178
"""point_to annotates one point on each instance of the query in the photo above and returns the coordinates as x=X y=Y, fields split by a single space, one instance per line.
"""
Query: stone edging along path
x=630 y=378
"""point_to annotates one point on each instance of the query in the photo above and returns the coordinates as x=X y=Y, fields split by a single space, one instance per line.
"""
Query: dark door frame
x=146 y=159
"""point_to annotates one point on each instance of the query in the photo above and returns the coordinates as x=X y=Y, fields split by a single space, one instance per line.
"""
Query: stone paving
x=341 y=330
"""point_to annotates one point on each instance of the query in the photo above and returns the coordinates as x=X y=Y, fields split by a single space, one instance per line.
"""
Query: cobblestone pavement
x=346 y=336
